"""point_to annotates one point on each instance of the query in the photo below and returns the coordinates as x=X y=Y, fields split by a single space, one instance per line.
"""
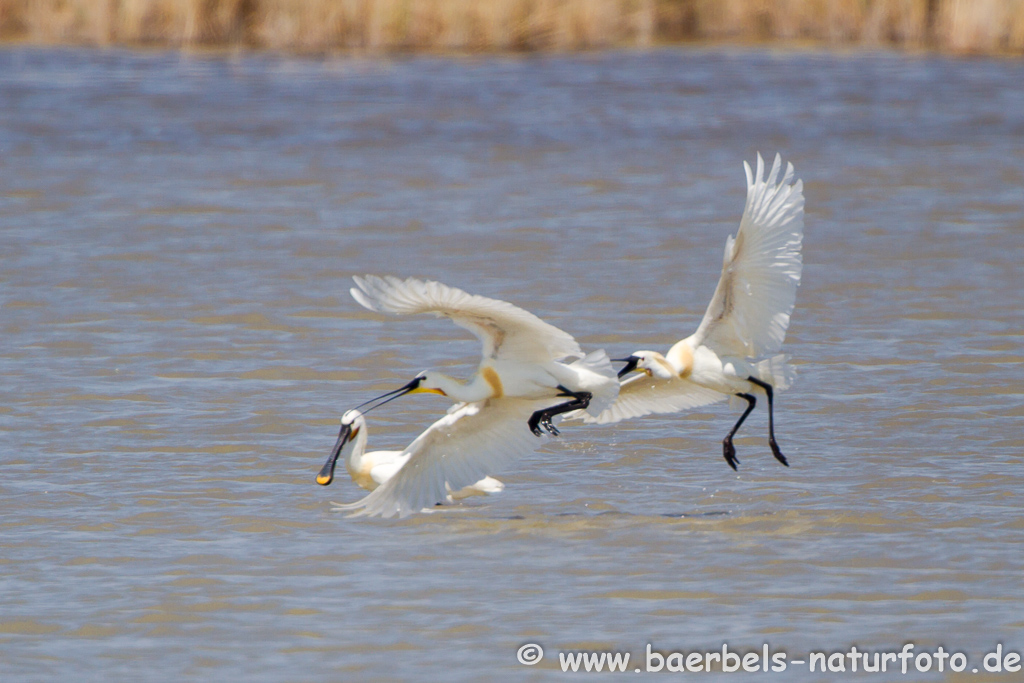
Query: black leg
x=771 y=421
x=542 y=418
x=727 y=447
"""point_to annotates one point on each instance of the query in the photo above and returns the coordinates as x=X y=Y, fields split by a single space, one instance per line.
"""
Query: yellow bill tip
x=324 y=479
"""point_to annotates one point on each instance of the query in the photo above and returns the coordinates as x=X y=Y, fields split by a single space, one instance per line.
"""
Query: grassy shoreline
x=319 y=26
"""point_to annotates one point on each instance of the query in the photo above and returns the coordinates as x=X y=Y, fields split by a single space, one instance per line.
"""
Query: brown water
x=178 y=236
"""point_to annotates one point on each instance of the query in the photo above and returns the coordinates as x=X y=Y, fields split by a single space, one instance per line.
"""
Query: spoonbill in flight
x=521 y=352
x=370 y=470
x=731 y=353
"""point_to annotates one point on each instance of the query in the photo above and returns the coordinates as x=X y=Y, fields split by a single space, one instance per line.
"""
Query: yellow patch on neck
x=492 y=378
x=682 y=357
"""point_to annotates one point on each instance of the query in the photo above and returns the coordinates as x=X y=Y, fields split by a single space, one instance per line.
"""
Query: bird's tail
x=605 y=387
x=776 y=371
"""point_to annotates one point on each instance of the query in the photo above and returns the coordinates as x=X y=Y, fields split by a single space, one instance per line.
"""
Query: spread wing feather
x=643 y=395
x=507 y=332
x=458 y=450
x=749 y=312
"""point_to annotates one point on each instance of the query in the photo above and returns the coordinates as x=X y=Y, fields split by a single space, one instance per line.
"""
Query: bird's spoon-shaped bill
x=326 y=475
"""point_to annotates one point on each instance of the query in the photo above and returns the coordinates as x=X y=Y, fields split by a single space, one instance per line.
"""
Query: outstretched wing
x=749 y=312
x=643 y=395
x=506 y=331
x=460 y=449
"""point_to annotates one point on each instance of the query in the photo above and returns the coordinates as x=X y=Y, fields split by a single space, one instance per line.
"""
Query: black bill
x=630 y=362
x=326 y=475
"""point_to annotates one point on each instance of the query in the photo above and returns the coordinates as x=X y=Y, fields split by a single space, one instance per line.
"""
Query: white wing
x=749 y=313
x=458 y=450
x=381 y=472
x=506 y=331
x=643 y=395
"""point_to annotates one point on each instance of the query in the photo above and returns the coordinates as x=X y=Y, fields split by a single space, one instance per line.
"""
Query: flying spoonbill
x=370 y=470
x=730 y=354
x=521 y=352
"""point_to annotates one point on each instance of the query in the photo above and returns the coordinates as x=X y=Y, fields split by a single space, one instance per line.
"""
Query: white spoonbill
x=454 y=453
x=521 y=352
x=370 y=470
x=730 y=353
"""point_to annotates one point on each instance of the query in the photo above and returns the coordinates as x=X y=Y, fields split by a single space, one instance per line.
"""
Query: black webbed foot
x=729 y=452
x=534 y=423
x=728 y=449
x=548 y=425
x=776 y=452
x=542 y=418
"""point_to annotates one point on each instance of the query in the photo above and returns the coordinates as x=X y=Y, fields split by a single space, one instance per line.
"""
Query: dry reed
x=983 y=26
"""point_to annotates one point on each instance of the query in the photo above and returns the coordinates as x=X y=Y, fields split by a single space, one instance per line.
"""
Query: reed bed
x=979 y=26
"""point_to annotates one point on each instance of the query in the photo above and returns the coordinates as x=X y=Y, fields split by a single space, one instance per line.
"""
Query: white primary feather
x=749 y=312
x=642 y=395
x=456 y=451
x=507 y=332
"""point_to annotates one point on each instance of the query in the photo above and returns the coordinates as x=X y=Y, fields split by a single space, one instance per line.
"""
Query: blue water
x=178 y=235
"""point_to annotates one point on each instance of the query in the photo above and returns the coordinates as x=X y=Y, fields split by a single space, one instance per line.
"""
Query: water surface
x=178 y=235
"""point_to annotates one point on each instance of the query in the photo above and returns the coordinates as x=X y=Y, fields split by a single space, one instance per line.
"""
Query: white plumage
x=370 y=470
x=521 y=353
x=749 y=311
x=507 y=332
x=731 y=353
x=524 y=381
x=644 y=394
x=457 y=451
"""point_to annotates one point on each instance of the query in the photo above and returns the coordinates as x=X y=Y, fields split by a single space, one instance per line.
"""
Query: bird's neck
x=354 y=461
x=681 y=357
x=480 y=388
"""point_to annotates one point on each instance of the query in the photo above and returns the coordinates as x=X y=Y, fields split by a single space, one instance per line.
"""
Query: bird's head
x=650 y=362
x=351 y=423
x=427 y=382
x=355 y=421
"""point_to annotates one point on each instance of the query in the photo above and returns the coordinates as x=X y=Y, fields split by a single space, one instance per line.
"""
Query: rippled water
x=178 y=236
